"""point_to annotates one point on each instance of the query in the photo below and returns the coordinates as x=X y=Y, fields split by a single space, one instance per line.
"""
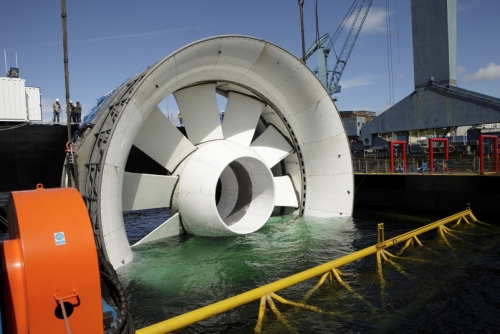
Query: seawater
x=435 y=288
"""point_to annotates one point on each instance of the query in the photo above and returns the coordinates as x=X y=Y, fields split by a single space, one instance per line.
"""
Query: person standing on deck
x=78 y=112
x=71 y=111
x=179 y=115
x=57 y=110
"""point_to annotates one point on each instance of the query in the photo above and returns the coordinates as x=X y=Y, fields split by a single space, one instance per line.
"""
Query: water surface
x=435 y=288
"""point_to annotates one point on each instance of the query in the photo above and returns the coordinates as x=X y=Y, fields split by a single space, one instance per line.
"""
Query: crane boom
x=352 y=36
x=316 y=45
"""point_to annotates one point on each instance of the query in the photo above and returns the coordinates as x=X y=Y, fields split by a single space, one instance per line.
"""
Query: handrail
x=186 y=319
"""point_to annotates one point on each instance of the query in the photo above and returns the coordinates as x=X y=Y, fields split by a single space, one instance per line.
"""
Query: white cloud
x=375 y=22
x=129 y=37
x=144 y=35
x=461 y=69
x=490 y=72
x=361 y=80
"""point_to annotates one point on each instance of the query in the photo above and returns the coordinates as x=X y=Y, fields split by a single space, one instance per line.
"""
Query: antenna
x=16 y=61
x=5 y=55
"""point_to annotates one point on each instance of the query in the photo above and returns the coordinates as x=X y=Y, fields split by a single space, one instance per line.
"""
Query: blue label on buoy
x=59 y=238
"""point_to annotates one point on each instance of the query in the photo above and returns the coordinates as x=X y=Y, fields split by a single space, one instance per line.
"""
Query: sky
x=111 y=40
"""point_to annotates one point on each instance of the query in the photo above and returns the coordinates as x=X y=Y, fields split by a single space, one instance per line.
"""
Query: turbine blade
x=241 y=117
x=272 y=146
x=161 y=140
x=200 y=113
x=285 y=193
x=146 y=191
x=170 y=227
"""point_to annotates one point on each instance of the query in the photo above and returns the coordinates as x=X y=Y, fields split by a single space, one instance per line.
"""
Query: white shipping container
x=34 y=103
x=12 y=99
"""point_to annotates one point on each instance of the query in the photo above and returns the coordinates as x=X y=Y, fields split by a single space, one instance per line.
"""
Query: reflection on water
x=434 y=288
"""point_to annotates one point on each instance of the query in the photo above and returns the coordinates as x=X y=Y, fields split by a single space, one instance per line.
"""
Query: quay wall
x=430 y=192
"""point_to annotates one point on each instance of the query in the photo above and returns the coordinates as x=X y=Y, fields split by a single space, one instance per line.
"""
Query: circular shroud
x=280 y=148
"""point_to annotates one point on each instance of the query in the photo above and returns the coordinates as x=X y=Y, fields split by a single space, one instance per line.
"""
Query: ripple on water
x=435 y=288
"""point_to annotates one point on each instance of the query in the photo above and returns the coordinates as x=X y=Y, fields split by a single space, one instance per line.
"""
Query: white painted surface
x=285 y=192
x=169 y=228
x=251 y=182
x=12 y=99
x=288 y=87
x=241 y=117
x=34 y=103
x=272 y=146
x=161 y=140
x=146 y=191
x=200 y=113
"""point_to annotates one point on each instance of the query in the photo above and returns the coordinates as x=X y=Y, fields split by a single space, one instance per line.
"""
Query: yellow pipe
x=279 y=315
x=387 y=253
x=205 y=312
x=417 y=240
x=262 y=311
x=458 y=222
x=473 y=217
x=337 y=276
x=308 y=307
x=321 y=281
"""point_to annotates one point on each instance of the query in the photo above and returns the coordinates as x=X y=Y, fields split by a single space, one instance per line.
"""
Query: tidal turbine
x=280 y=149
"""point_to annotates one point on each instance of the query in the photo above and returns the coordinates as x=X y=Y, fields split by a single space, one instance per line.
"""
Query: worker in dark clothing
x=78 y=112
x=71 y=109
x=57 y=110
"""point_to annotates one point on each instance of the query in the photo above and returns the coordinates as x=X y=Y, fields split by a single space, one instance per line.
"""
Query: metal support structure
x=431 y=152
x=391 y=153
x=481 y=152
x=66 y=83
x=332 y=84
x=435 y=101
x=345 y=53
x=264 y=293
x=301 y=5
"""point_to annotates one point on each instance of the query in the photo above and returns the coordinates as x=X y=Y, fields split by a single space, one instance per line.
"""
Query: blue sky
x=111 y=40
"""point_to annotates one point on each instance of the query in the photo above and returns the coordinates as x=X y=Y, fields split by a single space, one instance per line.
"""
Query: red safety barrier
x=481 y=152
x=391 y=153
x=431 y=151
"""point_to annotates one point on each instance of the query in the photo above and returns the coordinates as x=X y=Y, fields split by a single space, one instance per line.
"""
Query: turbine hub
x=224 y=189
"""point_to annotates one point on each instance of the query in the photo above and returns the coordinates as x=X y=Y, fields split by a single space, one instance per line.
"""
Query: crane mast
x=352 y=36
x=332 y=84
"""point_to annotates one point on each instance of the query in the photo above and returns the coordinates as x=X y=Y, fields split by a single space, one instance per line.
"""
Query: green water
x=437 y=288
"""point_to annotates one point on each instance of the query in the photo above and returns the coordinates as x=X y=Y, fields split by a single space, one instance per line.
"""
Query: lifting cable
x=301 y=6
x=389 y=53
x=341 y=26
x=397 y=30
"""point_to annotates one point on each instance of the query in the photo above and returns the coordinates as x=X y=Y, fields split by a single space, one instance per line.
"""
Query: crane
x=332 y=84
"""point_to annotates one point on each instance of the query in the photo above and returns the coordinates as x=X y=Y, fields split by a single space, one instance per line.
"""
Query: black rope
x=123 y=323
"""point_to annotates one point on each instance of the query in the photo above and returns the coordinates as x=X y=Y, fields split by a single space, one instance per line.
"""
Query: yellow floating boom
x=186 y=319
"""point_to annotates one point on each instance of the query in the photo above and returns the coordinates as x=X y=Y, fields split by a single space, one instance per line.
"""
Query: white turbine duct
x=246 y=197
x=281 y=145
